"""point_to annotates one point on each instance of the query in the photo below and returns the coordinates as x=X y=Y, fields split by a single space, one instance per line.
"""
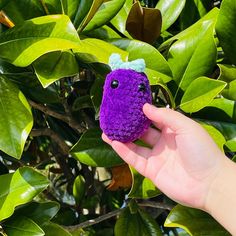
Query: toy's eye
x=114 y=83
x=141 y=87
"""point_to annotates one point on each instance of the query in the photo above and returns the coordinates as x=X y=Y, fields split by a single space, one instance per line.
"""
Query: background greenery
x=55 y=171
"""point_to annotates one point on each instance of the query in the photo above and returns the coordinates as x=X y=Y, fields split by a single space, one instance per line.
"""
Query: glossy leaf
x=79 y=188
x=137 y=49
x=170 y=10
x=216 y=135
x=144 y=23
x=92 y=151
x=22 y=226
x=95 y=50
x=104 y=32
x=16 y=10
x=39 y=212
x=194 y=53
x=142 y=187
x=19 y=188
x=52 y=229
x=226 y=29
x=193 y=221
x=54 y=66
x=228 y=130
x=16 y=119
x=82 y=10
x=195 y=99
x=137 y=223
x=105 y=13
x=219 y=109
x=193 y=11
x=119 y=21
x=228 y=74
x=23 y=44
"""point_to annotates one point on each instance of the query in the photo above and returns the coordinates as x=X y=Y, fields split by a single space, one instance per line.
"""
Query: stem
x=66 y=118
x=94 y=221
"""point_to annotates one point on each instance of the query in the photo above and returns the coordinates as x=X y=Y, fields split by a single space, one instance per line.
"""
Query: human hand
x=182 y=160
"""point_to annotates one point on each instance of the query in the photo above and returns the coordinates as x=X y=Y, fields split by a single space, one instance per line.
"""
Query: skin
x=184 y=163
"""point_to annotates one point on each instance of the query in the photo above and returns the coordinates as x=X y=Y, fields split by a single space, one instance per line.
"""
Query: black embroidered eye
x=141 y=87
x=114 y=83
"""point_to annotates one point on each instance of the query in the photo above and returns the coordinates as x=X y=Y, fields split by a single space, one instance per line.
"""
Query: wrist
x=221 y=197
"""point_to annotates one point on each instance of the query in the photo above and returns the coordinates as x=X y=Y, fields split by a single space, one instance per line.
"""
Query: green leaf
x=194 y=53
x=226 y=29
x=39 y=212
x=82 y=10
x=16 y=10
x=92 y=151
x=3 y=3
x=119 y=21
x=95 y=50
x=19 y=188
x=52 y=229
x=228 y=74
x=104 y=14
x=219 y=109
x=195 y=222
x=54 y=66
x=170 y=11
x=22 y=226
x=216 y=135
x=228 y=130
x=139 y=223
x=79 y=188
x=142 y=187
x=23 y=44
x=16 y=119
x=82 y=102
x=193 y=11
x=194 y=99
x=105 y=32
x=137 y=49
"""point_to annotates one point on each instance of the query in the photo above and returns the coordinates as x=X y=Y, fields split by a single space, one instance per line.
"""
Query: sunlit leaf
x=16 y=119
x=91 y=150
x=23 y=44
x=142 y=187
x=195 y=222
x=195 y=99
x=19 y=188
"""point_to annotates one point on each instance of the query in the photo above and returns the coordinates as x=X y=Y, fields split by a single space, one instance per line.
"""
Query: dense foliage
x=55 y=171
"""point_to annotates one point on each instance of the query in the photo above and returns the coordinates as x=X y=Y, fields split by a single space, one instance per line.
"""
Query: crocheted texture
x=124 y=94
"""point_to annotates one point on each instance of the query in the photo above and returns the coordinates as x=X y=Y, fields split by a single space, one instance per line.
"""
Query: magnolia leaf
x=226 y=29
x=195 y=99
x=144 y=23
x=19 y=188
x=193 y=221
x=23 y=44
x=92 y=151
x=16 y=118
x=121 y=178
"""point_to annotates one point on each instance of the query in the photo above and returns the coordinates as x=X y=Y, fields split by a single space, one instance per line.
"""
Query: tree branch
x=54 y=136
x=65 y=118
x=94 y=221
x=159 y=205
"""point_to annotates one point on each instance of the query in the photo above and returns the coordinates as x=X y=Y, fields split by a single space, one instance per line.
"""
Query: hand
x=182 y=160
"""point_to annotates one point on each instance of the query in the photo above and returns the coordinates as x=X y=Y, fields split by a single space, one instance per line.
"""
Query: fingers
x=151 y=136
x=164 y=117
x=131 y=153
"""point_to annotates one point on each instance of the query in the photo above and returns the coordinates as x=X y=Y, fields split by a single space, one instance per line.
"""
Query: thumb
x=165 y=117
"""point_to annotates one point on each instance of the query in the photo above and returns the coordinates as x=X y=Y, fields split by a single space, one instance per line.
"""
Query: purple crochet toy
x=125 y=92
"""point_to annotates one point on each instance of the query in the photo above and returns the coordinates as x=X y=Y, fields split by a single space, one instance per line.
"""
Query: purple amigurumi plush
x=125 y=92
